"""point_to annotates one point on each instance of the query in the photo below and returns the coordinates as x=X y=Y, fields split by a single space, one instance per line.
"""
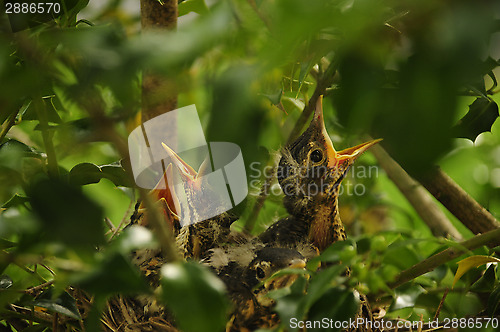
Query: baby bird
x=310 y=172
x=247 y=271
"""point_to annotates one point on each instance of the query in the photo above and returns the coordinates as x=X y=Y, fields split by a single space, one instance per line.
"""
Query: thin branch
x=53 y=168
x=323 y=83
x=159 y=94
x=459 y=203
x=436 y=315
x=445 y=256
x=156 y=15
x=34 y=290
x=11 y=120
x=264 y=192
x=417 y=196
x=93 y=104
x=123 y=221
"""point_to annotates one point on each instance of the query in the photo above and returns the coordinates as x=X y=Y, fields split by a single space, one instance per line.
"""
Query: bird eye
x=260 y=273
x=316 y=156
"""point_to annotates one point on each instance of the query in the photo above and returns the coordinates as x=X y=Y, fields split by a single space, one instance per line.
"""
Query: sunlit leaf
x=472 y=262
x=134 y=237
x=197 y=6
x=407 y=296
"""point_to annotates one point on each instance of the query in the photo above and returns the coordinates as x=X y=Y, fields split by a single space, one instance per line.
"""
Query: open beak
x=336 y=158
x=350 y=154
x=184 y=168
x=164 y=191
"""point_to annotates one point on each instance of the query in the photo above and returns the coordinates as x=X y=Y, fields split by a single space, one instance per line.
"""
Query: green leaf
x=188 y=6
x=64 y=304
x=487 y=282
x=113 y=274
x=321 y=283
x=67 y=215
x=493 y=301
x=481 y=116
x=51 y=113
x=406 y=296
x=6 y=244
x=290 y=303
x=71 y=9
x=332 y=253
x=195 y=295
x=401 y=257
x=87 y=173
x=15 y=200
x=12 y=151
x=472 y=262
x=132 y=238
x=344 y=307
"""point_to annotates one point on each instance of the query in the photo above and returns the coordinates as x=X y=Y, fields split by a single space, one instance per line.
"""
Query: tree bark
x=418 y=197
x=445 y=256
x=158 y=97
x=158 y=93
x=458 y=202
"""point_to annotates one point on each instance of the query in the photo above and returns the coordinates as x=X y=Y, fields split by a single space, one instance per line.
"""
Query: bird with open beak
x=182 y=202
x=310 y=172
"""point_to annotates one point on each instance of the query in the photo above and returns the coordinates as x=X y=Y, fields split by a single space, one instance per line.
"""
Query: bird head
x=270 y=260
x=310 y=168
x=172 y=199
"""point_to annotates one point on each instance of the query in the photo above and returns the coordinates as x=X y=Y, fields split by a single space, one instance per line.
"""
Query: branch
x=418 y=197
x=11 y=120
x=158 y=94
x=323 y=83
x=41 y=111
x=105 y=128
x=445 y=256
x=458 y=202
x=158 y=97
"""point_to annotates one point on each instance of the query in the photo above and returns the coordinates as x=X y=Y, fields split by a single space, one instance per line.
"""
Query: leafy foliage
x=402 y=70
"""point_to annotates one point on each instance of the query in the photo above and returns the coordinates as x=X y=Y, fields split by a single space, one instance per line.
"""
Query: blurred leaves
x=195 y=295
x=112 y=274
x=67 y=215
x=63 y=304
x=402 y=67
x=188 y=6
